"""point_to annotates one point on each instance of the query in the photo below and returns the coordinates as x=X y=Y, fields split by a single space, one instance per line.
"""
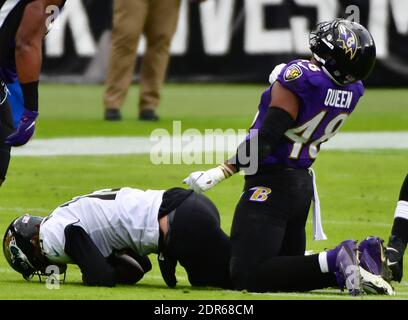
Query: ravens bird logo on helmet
x=349 y=41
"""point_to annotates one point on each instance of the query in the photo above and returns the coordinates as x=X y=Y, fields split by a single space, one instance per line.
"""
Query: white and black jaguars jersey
x=114 y=219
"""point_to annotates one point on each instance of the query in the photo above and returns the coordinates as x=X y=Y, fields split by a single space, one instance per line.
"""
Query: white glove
x=201 y=181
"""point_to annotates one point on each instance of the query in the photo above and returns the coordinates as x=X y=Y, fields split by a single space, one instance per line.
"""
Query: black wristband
x=30 y=94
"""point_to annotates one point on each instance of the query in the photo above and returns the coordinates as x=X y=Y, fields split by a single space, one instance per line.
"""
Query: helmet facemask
x=22 y=252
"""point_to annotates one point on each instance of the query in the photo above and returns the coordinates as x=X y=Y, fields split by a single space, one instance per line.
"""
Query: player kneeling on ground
x=109 y=234
x=306 y=104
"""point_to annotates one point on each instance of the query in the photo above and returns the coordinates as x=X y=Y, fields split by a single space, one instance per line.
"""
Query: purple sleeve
x=294 y=77
x=361 y=89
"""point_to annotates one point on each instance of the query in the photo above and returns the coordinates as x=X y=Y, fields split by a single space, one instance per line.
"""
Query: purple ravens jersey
x=324 y=108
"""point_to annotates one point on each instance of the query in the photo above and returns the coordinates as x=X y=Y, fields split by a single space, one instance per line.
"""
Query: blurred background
x=228 y=40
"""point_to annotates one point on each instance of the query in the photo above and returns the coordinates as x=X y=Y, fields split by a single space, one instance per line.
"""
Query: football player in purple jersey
x=306 y=105
x=23 y=25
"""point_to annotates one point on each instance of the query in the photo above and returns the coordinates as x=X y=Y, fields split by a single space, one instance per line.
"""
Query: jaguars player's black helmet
x=19 y=247
x=345 y=49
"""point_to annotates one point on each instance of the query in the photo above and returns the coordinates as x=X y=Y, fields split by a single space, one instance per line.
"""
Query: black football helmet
x=345 y=49
x=19 y=249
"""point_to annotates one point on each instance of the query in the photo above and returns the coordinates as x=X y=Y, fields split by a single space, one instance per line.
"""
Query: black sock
x=400 y=225
x=400 y=229
x=292 y=273
x=404 y=190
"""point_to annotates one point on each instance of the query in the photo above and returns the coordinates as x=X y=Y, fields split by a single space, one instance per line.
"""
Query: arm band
x=30 y=94
x=276 y=122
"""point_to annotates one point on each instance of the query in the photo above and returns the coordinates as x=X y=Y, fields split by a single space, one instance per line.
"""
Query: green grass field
x=358 y=190
x=77 y=110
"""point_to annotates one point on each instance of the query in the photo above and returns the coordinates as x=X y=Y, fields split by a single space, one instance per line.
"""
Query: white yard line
x=7 y=270
x=23 y=210
x=368 y=140
x=348 y=222
x=314 y=295
x=228 y=143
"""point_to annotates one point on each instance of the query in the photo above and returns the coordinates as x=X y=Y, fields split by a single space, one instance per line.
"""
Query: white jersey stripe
x=5 y=10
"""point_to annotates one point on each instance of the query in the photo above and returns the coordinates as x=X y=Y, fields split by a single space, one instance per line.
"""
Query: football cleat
x=375 y=284
x=347 y=268
x=371 y=255
x=394 y=253
x=373 y=269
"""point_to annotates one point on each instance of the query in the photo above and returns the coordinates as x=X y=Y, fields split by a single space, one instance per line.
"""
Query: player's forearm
x=28 y=63
x=28 y=60
x=28 y=52
x=228 y=168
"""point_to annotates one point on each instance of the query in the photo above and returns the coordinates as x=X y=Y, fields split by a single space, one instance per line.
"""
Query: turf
x=358 y=190
x=355 y=203
x=77 y=110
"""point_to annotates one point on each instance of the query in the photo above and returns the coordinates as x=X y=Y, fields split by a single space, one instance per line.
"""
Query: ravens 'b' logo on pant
x=260 y=194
